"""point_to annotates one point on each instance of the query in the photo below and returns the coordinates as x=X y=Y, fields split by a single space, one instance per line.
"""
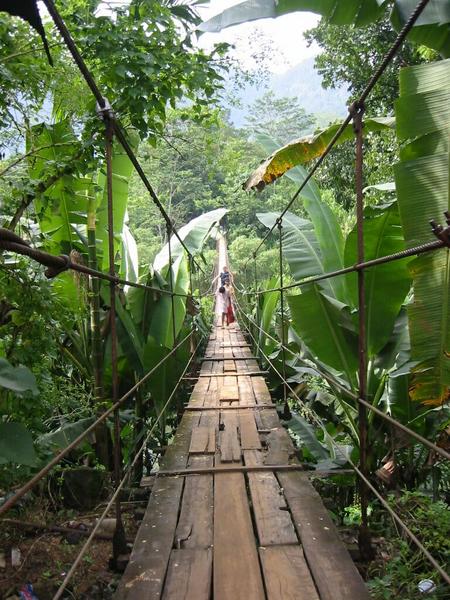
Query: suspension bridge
x=231 y=515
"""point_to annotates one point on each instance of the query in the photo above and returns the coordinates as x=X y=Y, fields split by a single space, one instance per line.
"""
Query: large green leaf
x=307 y=435
x=322 y=323
x=304 y=149
x=387 y=284
x=326 y=226
x=301 y=248
x=19 y=380
x=122 y=169
x=300 y=245
x=423 y=188
x=268 y=306
x=62 y=208
x=16 y=445
x=64 y=435
x=194 y=236
x=338 y=12
x=431 y=29
x=161 y=328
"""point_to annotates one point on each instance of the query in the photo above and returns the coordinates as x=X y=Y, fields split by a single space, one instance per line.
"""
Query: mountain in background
x=301 y=81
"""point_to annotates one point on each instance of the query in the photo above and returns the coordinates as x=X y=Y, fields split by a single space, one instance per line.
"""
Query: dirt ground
x=45 y=557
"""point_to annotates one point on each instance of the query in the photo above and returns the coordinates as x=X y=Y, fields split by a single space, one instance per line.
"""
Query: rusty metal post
x=191 y=284
x=364 y=534
x=172 y=299
x=255 y=273
x=119 y=538
x=283 y=336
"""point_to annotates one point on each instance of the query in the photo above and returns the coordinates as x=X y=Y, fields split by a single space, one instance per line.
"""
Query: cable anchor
x=442 y=233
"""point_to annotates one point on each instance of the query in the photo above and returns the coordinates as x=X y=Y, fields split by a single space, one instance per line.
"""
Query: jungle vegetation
x=55 y=366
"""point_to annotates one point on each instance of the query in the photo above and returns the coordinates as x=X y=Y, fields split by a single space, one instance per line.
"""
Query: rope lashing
x=14 y=243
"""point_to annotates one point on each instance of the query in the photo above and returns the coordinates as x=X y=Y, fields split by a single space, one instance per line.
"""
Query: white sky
x=286 y=34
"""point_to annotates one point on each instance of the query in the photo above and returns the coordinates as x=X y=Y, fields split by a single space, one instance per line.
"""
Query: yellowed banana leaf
x=305 y=149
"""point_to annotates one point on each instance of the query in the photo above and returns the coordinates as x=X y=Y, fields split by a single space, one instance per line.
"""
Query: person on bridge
x=226 y=277
x=223 y=303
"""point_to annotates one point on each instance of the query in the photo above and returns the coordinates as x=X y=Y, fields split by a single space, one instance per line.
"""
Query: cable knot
x=442 y=233
x=54 y=270
x=105 y=112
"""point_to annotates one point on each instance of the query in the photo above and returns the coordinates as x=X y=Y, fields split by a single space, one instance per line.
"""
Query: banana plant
x=324 y=317
x=422 y=182
x=430 y=29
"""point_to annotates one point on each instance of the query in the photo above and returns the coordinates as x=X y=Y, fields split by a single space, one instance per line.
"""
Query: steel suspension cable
x=56 y=264
x=36 y=478
x=120 y=485
x=414 y=251
x=367 y=482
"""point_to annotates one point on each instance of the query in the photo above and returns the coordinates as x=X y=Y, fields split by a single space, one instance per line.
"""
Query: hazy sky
x=285 y=32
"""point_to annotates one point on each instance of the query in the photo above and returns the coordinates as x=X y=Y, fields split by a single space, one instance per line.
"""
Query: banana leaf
x=307 y=435
x=194 y=236
x=267 y=310
x=337 y=12
x=386 y=285
x=161 y=328
x=431 y=29
x=323 y=325
x=122 y=169
x=305 y=149
x=301 y=249
x=296 y=174
x=327 y=229
x=422 y=181
x=62 y=208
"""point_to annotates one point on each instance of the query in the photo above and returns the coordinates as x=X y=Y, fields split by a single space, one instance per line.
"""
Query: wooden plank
x=246 y=395
x=243 y=469
x=332 y=568
x=144 y=575
x=189 y=575
x=238 y=373
x=221 y=359
x=237 y=574
x=256 y=407
x=229 y=365
x=203 y=440
x=195 y=525
x=145 y=572
x=260 y=390
x=286 y=574
x=273 y=520
x=229 y=447
x=249 y=434
x=229 y=392
x=280 y=447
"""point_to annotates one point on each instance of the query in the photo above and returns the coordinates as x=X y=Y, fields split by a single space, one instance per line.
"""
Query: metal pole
x=119 y=538
x=364 y=534
x=190 y=276
x=255 y=272
x=169 y=233
x=283 y=340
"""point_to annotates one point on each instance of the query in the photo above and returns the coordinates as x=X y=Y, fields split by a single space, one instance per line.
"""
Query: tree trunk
x=103 y=448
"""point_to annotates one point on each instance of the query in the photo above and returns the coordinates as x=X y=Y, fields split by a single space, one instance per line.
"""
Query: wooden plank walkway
x=236 y=536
